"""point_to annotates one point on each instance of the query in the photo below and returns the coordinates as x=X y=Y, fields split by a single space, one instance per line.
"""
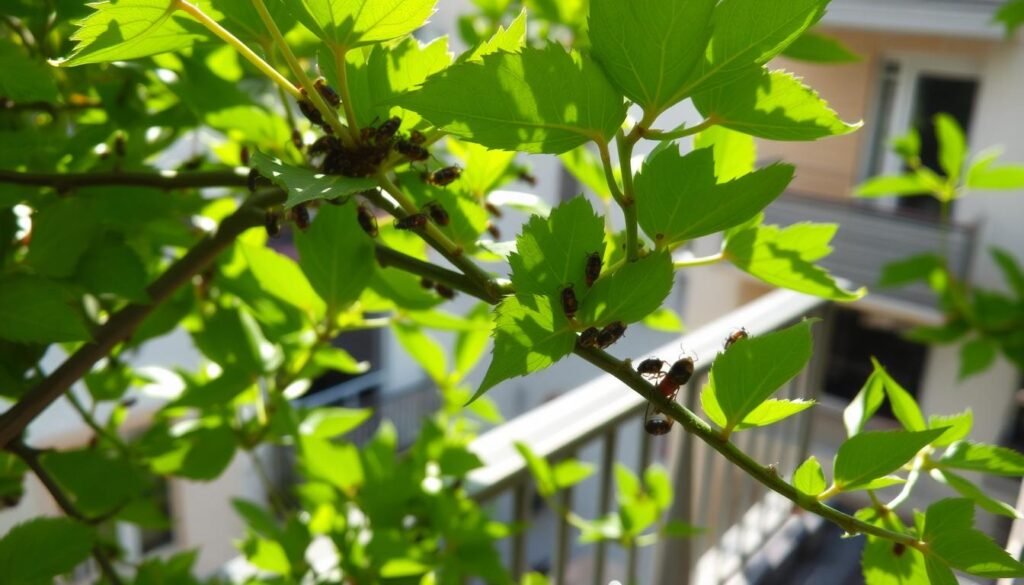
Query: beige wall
x=830 y=167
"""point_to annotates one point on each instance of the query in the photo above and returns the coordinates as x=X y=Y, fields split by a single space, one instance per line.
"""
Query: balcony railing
x=868 y=239
x=601 y=422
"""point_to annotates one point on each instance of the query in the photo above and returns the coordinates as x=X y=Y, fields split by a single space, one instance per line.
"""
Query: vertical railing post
x=604 y=501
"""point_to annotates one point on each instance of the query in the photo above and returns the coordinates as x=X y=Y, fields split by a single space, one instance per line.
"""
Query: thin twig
x=157 y=179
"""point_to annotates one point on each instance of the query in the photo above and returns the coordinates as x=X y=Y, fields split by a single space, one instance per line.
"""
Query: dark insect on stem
x=272 y=221
x=412 y=151
x=650 y=367
x=569 y=304
x=680 y=372
x=193 y=163
x=444 y=291
x=297 y=139
x=415 y=221
x=367 y=134
x=310 y=112
x=737 y=335
x=527 y=178
x=243 y=156
x=417 y=137
x=327 y=92
x=252 y=180
x=610 y=334
x=119 y=145
x=898 y=549
x=367 y=221
x=438 y=213
x=300 y=215
x=492 y=209
x=387 y=130
x=593 y=268
x=656 y=422
x=494 y=231
x=426 y=283
x=444 y=177
x=588 y=338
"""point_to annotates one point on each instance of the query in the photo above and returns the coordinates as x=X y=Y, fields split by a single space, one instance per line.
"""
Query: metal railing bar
x=520 y=497
x=562 y=532
x=604 y=500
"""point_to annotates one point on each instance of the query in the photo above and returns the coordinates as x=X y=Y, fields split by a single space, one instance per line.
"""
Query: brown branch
x=158 y=180
x=122 y=324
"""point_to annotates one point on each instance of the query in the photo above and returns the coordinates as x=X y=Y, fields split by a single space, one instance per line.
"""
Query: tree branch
x=122 y=324
x=390 y=257
x=161 y=180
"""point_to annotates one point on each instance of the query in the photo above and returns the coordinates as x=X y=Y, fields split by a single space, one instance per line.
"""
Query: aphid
x=252 y=180
x=737 y=335
x=588 y=338
x=272 y=221
x=412 y=151
x=119 y=145
x=297 y=139
x=367 y=134
x=445 y=176
x=494 y=231
x=243 y=156
x=656 y=422
x=193 y=163
x=388 y=129
x=411 y=222
x=367 y=220
x=324 y=145
x=527 y=178
x=444 y=291
x=327 y=92
x=426 y=283
x=492 y=209
x=650 y=367
x=129 y=402
x=569 y=304
x=593 y=269
x=300 y=215
x=610 y=334
x=417 y=137
x=438 y=214
x=310 y=112
x=898 y=549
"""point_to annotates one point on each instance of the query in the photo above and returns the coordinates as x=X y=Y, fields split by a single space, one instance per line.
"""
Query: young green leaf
x=483 y=170
x=679 y=198
x=338 y=360
x=984 y=174
x=983 y=458
x=772 y=104
x=529 y=335
x=427 y=352
x=507 y=40
x=808 y=478
x=61 y=233
x=571 y=472
x=772 y=411
x=471 y=342
x=649 y=47
x=304 y=185
x=630 y=293
x=539 y=468
x=37 y=551
x=976 y=356
x=282 y=277
x=784 y=257
x=355 y=23
x=886 y=562
x=958 y=427
x=871 y=455
x=664 y=319
x=25 y=79
x=815 y=47
x=952 y=539
x=551 y=254
x=337 y=464
x=130 y=29
x=200 y=453
x=952 y=145
x=521 y=112
x=1011 y=14
x=1013 y=273
x=111 y=266
x=969 y=490
x=332 y=422
x=867 y=401
x=582 y=164
x=85 y=475
x=34 y=309
x=895 y=186
x=750 y=371
x=336 y=256
x=735 y=153
x=912 y=269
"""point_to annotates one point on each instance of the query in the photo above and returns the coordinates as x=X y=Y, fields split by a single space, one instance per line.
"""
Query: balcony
x=956 y=18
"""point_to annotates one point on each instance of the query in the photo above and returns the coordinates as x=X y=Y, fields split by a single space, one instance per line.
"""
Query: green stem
x=609 y=173
x=346 y=96
x=88 y=419
x=460 y=282
x=702 y=261
x=681 y=132
x=628 y=196
x=226 y=36
x=312 y=94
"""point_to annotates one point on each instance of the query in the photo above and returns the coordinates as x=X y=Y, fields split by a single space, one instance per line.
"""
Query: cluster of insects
x=602 y=338
x=591 y=272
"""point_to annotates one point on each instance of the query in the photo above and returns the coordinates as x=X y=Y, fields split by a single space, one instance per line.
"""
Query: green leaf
x=571 y=472
x=784 y=257
x=521 y=112
x=885 y=562
x=751 y=370
x=983 y=174
x=467 y=218
x=952 y=145
x=1012 y=271
x=658 y=485
x=551 y=254
x=951 y=538
x=241 y=17
x=337 y=464
x=336 y=256
x=588 y=170
x=748 y=33
x=894 y=186
x=37 y=551
x=85 y=476
x=304 y=185
x=735 y=153
x=61 y=234
x=818 y=48
x=809 y=478
x=871 y=455
x=112 y=267
x=984 y=458
x=200 y=453
x=912 y=269
x=218 y=391
x=539 y=468
x=679 y=198
x=37 y=310
x=24 y=78
x=471 y=343
x=958 y=427
x=879 y=483
x=331 y=422
x=666 y=320
x=427 y=352
x=129 y=29
x=267 y=555
x=1011 y=14
x=772 y=104
x=869 y=399
x=969 y=490
x=772 y=411
x=395 y=568
x=281 y=276
x=339 y=360
x=976 y=356
x=508 y=40
x=354 y=23
x=483 y=170
x=257 y=518
x=529 y=335
x=616 y=297
x=232 y=338
x=648 y=48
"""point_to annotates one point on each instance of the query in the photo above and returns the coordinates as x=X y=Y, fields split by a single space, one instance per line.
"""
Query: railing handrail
x=559 y=427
